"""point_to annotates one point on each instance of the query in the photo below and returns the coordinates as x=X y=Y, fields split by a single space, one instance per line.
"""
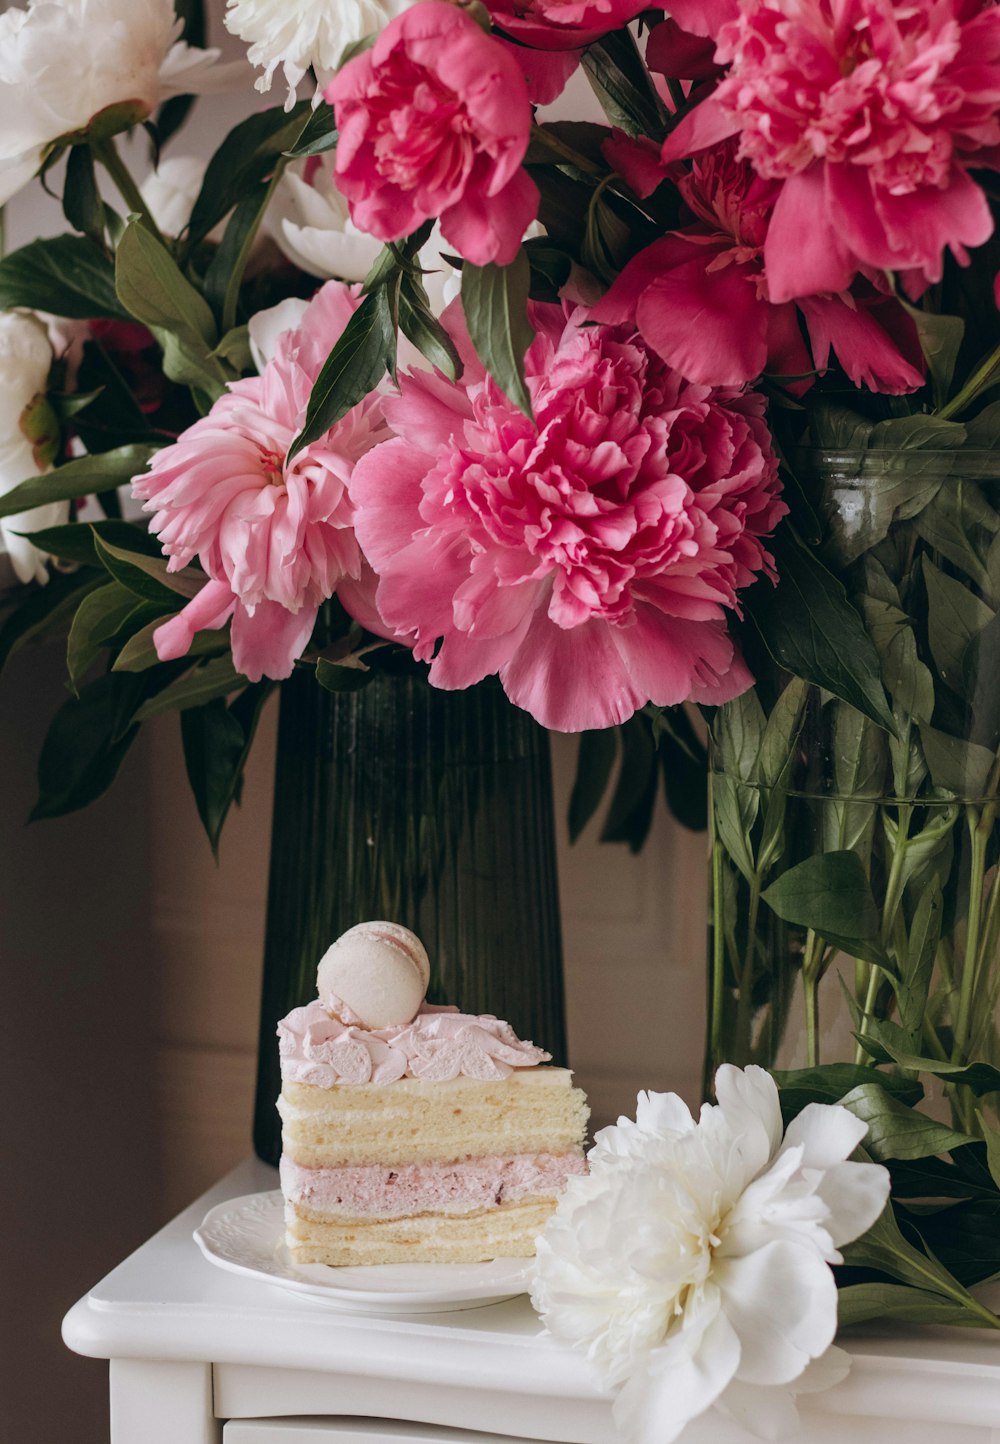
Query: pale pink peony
x=562 y=24
x=700 y=295
x=275 y=536
x=589 y=556
x=870 y=115
x=434 y=123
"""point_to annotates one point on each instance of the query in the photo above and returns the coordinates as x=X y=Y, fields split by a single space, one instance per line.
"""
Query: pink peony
x=870 y=115
x=562 y=24
x=434 y=123
x=589 y=556
x=275 y=536
x=701 y=298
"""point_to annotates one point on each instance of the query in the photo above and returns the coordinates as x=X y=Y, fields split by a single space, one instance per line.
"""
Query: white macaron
x=379 y=970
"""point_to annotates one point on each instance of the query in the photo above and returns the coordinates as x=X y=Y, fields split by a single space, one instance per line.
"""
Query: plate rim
x=411 y=1301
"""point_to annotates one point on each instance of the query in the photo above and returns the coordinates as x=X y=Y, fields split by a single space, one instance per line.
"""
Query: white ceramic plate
x=247 y=1236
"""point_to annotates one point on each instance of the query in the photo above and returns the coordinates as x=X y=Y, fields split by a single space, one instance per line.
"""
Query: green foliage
x=67 y=275
x=495 y=302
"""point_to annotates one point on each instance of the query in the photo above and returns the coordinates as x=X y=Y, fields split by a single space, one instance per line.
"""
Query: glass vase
x=855 y=910
x=427 y=808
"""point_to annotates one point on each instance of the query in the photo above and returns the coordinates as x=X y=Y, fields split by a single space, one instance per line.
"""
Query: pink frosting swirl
x=440 y=1044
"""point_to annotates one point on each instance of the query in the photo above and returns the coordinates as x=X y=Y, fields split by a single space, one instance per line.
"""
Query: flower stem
x=106 y=152
x=567 y=154
x=977 y=382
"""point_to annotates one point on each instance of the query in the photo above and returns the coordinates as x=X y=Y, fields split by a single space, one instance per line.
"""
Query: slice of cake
x=415 y=1134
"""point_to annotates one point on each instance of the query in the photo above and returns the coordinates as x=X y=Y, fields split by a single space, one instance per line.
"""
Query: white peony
x=692 y=1264
x=309 y=222
x=62 y=62
x=171 y=190
x=299 y=35
x=25 y=359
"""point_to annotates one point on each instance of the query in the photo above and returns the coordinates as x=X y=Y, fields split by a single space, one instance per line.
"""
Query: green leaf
x=227 y=266
x=67 y=275
x=623 y=85
x=217 y=742
x=877 y=492
x=153 y=289
x=917 y=431
x=940 y=339
x=631 y=811
x=810 y=628
x=890 y=1042
x=97 y=618
x=44 y=610
x=138 y=654
x=213 y=748
x=318 y=135
x=419 y=325
x=82 y=204
x=955 y=616
x=76 y=478
x=74 y=541
x=595 y=763
x=896 y=1131
x=917 y=964
x=209 y=680
x=347 y=674
x=958 y=766
x=830 y=1083
x=960 y=524
x=738 y=734
x=365 y=351
x=684 y=768
x=965 y=1239
x=781 y=731
x=991 y=1134
x=859 y=758
x=859 y=1303
x=495 y=302
x=908 y=680
x=85 y=745
x=147 y=576
x=246 y=156
x=828 y=892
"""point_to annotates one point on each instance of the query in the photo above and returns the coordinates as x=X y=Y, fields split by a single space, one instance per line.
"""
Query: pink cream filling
x=372 y=1191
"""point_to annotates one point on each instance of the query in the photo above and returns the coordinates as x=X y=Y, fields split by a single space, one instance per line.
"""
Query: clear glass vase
x=855 y=908
x=428 y=808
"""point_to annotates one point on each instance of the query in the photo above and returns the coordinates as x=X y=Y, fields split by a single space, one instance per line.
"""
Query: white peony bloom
x=299 y=35
x=171 y=190
x=309 y=223
x=25 y=359
x=62 y=62
x=692 y=1264
x=267 y=328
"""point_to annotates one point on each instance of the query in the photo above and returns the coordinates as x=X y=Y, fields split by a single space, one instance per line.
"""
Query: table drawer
x=352 y=1431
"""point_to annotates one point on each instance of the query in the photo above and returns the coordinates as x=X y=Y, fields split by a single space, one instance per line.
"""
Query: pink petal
x=207 y=611
x=866 y=352
x=703 y=17
x=703 y=126
x=267 y=643
x=803 y=253
x=545 y=71
x=485 y=228
x=708 y=324
x=570 y=681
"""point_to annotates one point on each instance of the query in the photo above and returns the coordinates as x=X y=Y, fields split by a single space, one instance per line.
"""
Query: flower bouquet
x=647 y=361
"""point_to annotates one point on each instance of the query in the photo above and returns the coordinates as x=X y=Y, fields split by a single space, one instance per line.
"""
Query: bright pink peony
x=434 y=122
x=275 y=537
x=562 y=24
x=588 y=556
x=870 y=114
x=700 y=295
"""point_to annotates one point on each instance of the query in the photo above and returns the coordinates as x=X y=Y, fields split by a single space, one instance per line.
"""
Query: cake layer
x=374 y=1191
x=505 y=1232
x=416 y=1121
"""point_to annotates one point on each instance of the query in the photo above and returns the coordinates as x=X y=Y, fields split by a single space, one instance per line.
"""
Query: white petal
x=656 y=1405
x=782 y=1302
x=822 y=1373
x=855 y=1195
x=765 y=1411
x=828 y=1134
x=266 y=327
x=748 y=1098
x=663 y=1114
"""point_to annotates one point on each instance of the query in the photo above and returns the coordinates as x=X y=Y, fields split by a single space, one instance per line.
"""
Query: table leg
x=162 y=1403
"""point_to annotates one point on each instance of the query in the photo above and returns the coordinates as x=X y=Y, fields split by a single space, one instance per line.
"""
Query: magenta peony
x=275 y=536
x=870 y=115
x=562 y=24
x=434 y=123
x=700 y=295
x=589 y=556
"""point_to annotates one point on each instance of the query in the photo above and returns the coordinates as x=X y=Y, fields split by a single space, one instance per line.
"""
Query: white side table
x=201 y=1356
